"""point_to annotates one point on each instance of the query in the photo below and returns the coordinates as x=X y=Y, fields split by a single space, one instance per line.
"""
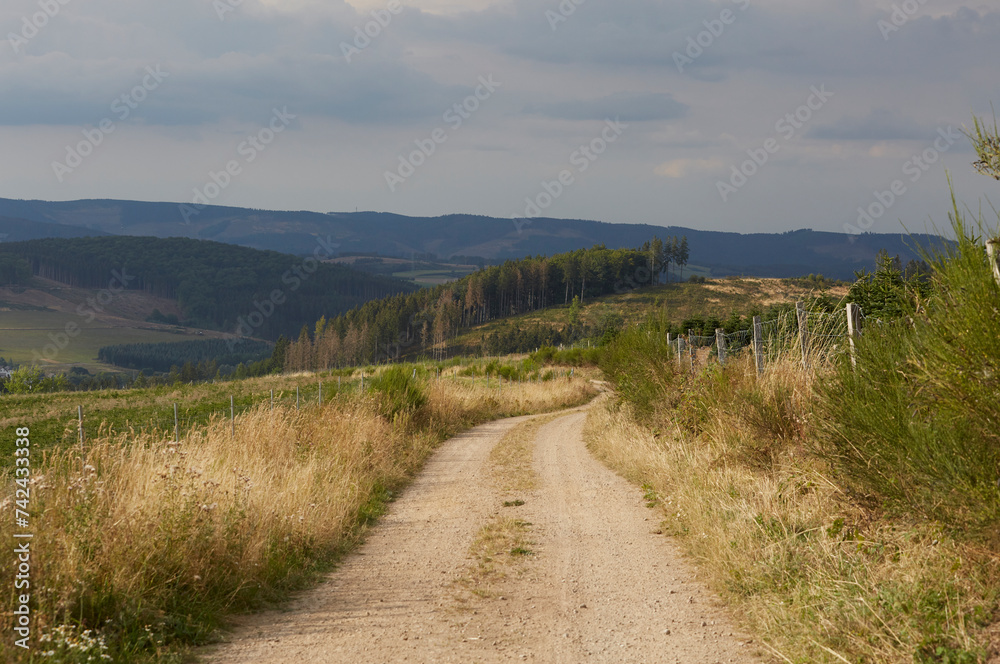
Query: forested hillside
x=211 y=354
x=386 y=328
x=218 y=286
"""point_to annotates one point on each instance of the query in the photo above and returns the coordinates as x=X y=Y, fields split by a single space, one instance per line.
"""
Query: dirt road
x=597 y=585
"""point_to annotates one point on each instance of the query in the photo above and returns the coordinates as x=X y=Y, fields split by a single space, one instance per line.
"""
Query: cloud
x=57 y=90
x=636 y=107
x=679 y=168
x=879 y=125
x=90 y=54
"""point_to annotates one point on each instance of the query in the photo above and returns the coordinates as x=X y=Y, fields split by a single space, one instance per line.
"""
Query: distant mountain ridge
x=790 y=254
x=17 y=230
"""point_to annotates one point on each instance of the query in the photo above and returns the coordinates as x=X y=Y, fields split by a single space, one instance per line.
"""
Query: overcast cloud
x=700 y=87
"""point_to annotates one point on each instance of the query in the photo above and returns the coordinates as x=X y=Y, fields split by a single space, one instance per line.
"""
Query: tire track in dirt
x=601 y=587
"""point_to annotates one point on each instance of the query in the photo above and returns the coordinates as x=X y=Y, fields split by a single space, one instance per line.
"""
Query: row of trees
x=387 y=328
x=664 y=253
x=161 y=357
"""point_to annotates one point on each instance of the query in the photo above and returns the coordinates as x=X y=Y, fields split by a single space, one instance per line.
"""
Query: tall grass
x=814 y=577
x=145 y=545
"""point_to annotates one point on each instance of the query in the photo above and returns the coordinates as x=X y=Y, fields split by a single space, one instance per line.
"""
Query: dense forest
x=219 y=286
x=161 y=357
x=386 y=328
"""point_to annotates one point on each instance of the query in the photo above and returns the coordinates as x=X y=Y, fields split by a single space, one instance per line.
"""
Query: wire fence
x=177 y=419
x=819 y=336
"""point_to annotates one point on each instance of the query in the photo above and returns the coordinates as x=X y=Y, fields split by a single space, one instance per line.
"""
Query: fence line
x=181 y=421
x=819 y=336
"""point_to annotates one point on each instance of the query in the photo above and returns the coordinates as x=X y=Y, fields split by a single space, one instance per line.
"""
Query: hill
x=17 y=230
x=702 y=306
x=215 y=285
x=34 y=319
x=516 y=300
x=790 y=254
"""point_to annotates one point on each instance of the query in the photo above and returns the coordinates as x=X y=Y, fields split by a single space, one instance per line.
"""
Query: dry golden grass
x=816 y=576
x=152 y=542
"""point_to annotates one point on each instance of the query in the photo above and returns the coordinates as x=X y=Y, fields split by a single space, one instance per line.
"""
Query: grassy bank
x=148 y=543
x=846 y=514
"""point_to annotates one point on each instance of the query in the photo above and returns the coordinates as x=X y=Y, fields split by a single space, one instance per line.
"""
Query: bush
x=915 y=422
x=637 y=362
x=400 y=392
x=574 y=357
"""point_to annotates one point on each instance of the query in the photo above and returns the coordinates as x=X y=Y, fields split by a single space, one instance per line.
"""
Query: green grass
x=435 y=277
x=23 y=331
x=53 y=417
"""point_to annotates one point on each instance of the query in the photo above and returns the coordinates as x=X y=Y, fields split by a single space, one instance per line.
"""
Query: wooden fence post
x=758 y=344
x=720 y=344
x=691 y=336
x=853 y=329
x=803 y=318
x=993 y=251
x=680 y=349
x=79 y=417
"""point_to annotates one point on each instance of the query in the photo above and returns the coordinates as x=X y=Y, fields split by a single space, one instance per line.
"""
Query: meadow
x=24 y=332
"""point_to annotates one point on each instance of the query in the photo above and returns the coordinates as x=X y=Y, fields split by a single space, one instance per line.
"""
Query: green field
x=436 y=277
x=53 y=417
x=39 y=336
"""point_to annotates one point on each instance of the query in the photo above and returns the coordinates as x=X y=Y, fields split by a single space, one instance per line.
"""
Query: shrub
x=637 y=362
x=915 y=422
x=400 y=392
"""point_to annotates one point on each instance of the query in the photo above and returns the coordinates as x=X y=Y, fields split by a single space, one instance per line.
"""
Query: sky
x=736 y=115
